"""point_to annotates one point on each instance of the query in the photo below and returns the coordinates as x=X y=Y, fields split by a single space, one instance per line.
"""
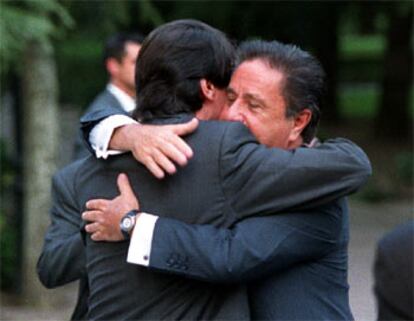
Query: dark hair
x=304 y=78
x=172 y=61
x=115 y=45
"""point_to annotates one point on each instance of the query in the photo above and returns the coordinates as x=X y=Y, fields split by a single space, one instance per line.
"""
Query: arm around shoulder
x=257 y=179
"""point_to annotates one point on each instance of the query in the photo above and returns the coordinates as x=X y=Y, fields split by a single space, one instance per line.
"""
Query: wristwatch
x=127 y=223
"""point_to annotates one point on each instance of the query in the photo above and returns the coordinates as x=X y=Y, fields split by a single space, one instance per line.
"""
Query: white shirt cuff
x=101 y=134
x=141 y=241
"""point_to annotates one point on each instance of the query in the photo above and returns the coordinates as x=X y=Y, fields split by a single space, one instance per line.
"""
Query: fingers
x=92 y=227
x=124 y=186
x=177 y=150
x=126 y=190
x=96 y=204
x=187 y=128
x=97 y=236
x=152 y=166
x=160 y=148
x=91 y=216
x=181 y=130
x=164 y=162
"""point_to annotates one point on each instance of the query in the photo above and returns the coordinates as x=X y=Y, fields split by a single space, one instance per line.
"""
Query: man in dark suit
x=219 y=148
x=120 y=54
x=298 y=261
x=393 y=270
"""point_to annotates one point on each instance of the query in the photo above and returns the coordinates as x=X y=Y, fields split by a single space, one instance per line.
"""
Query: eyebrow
x=255 y=97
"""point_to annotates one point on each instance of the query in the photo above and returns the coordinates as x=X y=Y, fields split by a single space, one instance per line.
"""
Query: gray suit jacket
x=230 y=177
x=104 y=101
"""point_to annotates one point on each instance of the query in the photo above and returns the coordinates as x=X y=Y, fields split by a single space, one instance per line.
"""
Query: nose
x=233 y=112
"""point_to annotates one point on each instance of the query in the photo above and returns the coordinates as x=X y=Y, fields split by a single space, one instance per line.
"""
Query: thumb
x=124 y=186
x=187 y=128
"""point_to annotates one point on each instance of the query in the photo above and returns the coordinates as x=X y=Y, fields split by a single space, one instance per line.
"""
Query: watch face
x=127 y=223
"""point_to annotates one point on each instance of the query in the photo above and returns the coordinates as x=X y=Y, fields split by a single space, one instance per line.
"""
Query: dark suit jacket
x=230 y=177
x=295 y=263
x=394 y=274
x=104 y=101
x=63 y=256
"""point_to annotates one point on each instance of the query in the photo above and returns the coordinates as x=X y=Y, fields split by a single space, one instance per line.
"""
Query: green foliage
x=361 y=101
x=362 y=46
x=405 y=167
x=358 y=101
x=80 y=70
x=149 y=14
x=25 y=21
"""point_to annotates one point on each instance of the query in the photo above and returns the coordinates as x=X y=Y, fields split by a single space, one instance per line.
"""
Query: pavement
x=369 y=222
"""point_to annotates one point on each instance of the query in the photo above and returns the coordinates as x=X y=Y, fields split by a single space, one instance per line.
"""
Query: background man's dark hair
x=172 y=61
x=304 y=78
x=115 y=45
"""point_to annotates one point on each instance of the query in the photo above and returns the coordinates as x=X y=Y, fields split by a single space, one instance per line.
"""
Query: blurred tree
x=30 y=32
x=394 y=119
x=27 y=28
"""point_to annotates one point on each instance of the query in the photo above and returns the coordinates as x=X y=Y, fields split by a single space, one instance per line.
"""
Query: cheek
x=255 y=126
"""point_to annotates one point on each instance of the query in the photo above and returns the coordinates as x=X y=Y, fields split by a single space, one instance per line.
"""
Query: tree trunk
x=394 y=119
x=40 y=142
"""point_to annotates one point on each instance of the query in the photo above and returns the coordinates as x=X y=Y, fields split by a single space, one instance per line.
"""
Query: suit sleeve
x=254 y=248
x=91 y=119
x=62 y=259
x=256 y=179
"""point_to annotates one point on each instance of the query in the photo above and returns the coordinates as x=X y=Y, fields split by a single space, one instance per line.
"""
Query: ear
x=207 y=89
x=112 y=66
x=300 y=121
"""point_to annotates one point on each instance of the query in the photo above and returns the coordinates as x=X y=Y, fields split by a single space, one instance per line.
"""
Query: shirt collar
x=126 y=101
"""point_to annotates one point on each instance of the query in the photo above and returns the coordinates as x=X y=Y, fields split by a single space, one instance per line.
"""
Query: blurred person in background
x=119 y=55
x=393 y=272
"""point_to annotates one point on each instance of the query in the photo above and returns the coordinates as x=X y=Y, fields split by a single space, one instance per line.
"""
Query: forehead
x=132 y=49
x=256 y=76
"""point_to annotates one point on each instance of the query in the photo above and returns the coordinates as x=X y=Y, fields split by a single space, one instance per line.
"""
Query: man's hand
x=104 y=216
x=159 y=148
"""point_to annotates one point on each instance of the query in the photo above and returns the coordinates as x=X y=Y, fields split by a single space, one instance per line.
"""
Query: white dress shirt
x=139 y=251
x=101 y=134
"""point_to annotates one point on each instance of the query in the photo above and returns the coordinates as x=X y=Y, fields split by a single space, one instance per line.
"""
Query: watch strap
x=130 y=214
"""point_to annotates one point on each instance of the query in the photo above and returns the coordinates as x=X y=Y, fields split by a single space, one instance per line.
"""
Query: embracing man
x=185 y=67
x=295 y=263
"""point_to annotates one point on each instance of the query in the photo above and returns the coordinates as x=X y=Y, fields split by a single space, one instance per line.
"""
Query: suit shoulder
x=104 y=100
x=69 y=172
